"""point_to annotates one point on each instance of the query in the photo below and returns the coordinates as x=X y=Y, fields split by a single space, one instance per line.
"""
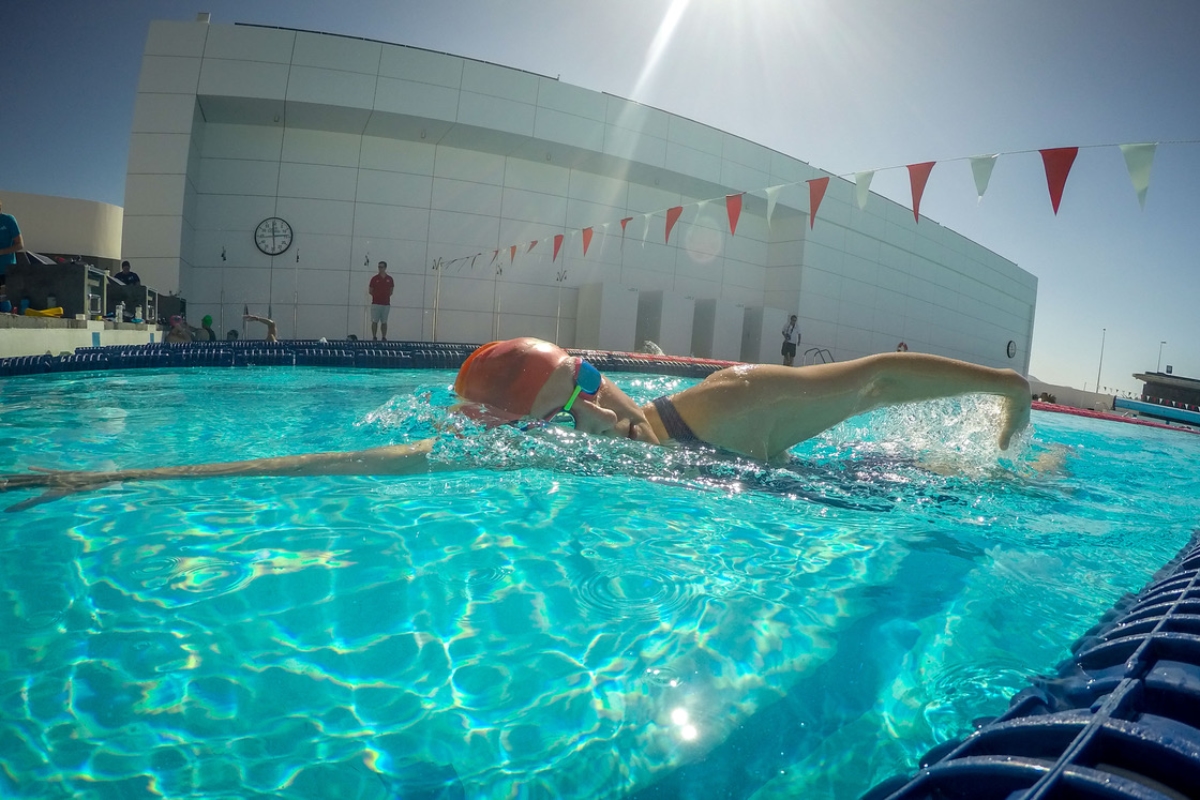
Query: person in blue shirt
x=11 y=242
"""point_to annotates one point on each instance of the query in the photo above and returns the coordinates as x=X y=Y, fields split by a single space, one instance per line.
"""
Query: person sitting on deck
x=179 y=332
x=756 y=410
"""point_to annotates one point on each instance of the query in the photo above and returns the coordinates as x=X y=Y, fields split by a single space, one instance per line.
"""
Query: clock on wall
x=273 y=235
x=1012 y=348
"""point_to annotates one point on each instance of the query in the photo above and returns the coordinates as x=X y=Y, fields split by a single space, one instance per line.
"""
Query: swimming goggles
x=587 y=381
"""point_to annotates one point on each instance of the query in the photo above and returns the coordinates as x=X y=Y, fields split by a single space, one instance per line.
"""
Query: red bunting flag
x=1058 y=161
x=918 y=174
x=494 y=254
x=816 y=193
x=512 y=253
x=587 y=239
x=532 y=245
x=672 y=218
x=558 y=240
x=624 y=222
x=733 y=207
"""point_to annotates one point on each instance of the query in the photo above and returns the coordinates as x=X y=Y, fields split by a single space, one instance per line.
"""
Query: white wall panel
x=474 y=198
x=169 y=74
x=323 y=287
x=391 y=222
x=693 y=163
x=496 y=113
x=256 y=142
x=321 y=147
x=555 y=126
x=499 y=82
x=317 y=181
x=232 y=212
x=336 y=52
x=416 y=99
x=534 y=207
x=227 y=78
x=394 y=188
x=316 y=216
x=470 y=229
x=170 y=38
x=247 y=43
x=153 y=194
x=468 y=165
x=331 y=87
x=163 y=113
x=397 y=156
x=421 y=65
x=158 y=152
x=633 y=146
x=316 y=251
x=238 y=176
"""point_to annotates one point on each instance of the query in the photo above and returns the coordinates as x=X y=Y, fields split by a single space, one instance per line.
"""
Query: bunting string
x=1058 y=161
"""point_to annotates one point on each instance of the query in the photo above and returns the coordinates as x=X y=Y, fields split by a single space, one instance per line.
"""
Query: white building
x=375 y=151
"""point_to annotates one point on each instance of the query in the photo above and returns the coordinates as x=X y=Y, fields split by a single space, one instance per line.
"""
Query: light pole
x=1160 y=347
x=1103 y=334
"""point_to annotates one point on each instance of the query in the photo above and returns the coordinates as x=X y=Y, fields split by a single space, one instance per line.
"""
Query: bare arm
x=762 y=410
x=18 y=244
x=401 y=459
x=272 y=334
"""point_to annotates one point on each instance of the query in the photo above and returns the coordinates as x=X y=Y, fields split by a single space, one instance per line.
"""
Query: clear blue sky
x=846 y=85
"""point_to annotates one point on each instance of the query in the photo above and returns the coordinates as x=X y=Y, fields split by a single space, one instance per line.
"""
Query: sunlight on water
x=566 y=617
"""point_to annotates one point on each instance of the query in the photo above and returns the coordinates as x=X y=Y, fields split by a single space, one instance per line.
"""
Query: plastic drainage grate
x=1120 y=720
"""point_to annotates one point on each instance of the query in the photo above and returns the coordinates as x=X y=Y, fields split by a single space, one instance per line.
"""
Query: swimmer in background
x=272 y=332
x=756 y=410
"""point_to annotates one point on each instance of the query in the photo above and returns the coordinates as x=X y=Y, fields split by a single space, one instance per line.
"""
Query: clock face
x=273 y=235
x=1012 y=348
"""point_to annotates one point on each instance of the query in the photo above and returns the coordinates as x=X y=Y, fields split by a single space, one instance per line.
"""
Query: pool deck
x=1084 y=412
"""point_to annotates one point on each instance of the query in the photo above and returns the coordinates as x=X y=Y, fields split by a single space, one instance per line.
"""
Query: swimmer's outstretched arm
x=400 y=459
x=762 y=410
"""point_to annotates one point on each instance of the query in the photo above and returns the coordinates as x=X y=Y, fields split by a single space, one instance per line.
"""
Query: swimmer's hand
x=1015 y=417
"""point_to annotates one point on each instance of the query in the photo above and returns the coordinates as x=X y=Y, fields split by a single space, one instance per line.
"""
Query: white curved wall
x=65 y=225
x=375 y=151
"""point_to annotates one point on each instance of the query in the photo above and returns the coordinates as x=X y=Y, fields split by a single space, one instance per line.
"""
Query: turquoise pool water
x=563 y=617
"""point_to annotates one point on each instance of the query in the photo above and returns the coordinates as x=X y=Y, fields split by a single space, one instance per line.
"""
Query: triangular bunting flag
x=733 y=209
x=494 y=254
x=1058 y=163
x=672 y=217
x=1138 y=160
x=645 y=228
x=981 y=168
x=918 y=174
x=772 y=196
x=862 y=186
x=558 y=240
x=532 y=245
x=587 y=239
x=816 y=193
x=624 y=222
x=512 y=253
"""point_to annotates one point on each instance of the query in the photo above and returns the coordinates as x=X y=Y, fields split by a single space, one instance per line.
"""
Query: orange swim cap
x=507 y=376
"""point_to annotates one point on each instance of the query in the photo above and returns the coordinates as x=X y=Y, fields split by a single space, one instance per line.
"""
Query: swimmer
x=272 y=332
x=756 y=410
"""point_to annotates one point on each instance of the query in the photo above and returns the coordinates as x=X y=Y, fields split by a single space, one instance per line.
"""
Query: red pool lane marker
x=1083 y=412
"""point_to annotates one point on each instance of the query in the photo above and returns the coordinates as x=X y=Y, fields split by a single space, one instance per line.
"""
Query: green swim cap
x=207 y=320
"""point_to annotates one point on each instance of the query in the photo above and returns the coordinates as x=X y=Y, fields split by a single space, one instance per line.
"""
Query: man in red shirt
x=381 y=287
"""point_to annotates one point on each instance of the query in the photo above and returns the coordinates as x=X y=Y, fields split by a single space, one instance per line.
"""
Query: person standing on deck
x=791 y=338
x=381 y=288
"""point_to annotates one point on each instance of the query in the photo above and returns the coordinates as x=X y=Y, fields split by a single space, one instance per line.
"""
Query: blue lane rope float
x=1121 y=719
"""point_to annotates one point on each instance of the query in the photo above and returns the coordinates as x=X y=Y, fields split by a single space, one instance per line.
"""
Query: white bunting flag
x=981 y=168
x=772 y=197
x=862 y=182
x=1138 y=159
